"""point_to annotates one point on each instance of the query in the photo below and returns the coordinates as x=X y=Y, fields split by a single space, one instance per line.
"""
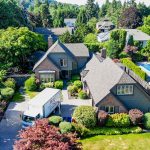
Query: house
x=53 y=32
x=105 y=25
x=61 y=61
x=104 y=36
x=111 y=88
x=138 y=36
x=70 y=22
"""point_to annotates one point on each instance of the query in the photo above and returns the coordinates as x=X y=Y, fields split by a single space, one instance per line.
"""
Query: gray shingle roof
x=138 y=35
x=78 y=49
x=102 y=77
x=72 y=49
x=60 y=31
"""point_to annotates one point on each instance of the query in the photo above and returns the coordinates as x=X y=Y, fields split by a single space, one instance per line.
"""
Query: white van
x=41 y=106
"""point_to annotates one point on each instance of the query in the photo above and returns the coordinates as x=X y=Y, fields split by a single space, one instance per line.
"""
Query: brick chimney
x=103 y=53
x=50 y=41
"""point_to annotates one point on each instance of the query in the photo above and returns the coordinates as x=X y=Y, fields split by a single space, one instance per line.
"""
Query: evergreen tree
x=81 y=18
x=45 y=15
x=91 y=9
x=131 y=40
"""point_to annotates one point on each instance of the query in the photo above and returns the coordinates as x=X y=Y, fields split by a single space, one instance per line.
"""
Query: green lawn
x=31 y=93
x=118 y=142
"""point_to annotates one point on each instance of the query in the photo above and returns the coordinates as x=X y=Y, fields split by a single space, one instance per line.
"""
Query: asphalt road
x=10 y=126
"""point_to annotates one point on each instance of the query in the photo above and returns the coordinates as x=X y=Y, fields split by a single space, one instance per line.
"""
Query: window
x=124 y=89
x=63 y=62
x=47 y=77
x=109 y=109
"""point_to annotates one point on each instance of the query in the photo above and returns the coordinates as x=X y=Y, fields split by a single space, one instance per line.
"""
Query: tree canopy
x=17 y=44
x=11 y=14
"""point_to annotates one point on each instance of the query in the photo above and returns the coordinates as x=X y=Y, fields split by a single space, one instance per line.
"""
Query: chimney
x=103 y=53
x=50 y=41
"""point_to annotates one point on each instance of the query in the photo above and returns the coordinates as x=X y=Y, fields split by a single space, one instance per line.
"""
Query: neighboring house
x=111 y=88
x=105 y=25
x=53 y=32
x=104 y=36
x=137 y=36
x=70 y=22
x=61 y=61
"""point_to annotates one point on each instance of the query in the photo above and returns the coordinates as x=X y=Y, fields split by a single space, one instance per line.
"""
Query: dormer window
x=124 y=89
x=63 y=62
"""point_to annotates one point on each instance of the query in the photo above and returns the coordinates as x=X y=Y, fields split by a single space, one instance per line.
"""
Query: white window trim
x=109 y=108
x=124 y=89
x=47 y=78
x=63 y=60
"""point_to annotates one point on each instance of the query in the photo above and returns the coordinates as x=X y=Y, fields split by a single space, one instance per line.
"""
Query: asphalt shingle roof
x=102 y=77
x=72 y=49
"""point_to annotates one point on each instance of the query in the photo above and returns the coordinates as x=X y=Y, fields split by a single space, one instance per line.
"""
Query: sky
x=82 y=2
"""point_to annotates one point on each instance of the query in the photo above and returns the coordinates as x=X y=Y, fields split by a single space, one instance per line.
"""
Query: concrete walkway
x=68 y=105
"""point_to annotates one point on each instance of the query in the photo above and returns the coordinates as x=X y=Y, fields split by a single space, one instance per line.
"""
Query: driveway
x=68 y=105
x=10 y=126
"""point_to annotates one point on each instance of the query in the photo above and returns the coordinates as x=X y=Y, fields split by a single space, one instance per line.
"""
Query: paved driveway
x=68 y=105
x=10 y=126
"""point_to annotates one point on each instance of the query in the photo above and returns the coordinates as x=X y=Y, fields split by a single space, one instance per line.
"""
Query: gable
x=46 y=64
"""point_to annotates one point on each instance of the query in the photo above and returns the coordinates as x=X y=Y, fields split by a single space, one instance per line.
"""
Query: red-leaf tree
x=43 y=136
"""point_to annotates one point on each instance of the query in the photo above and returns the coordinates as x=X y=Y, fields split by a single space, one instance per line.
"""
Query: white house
x=137 y=36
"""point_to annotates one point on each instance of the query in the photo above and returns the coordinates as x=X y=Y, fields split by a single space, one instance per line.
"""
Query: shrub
x=75 y=77
x=30 y=84
x=80 y=129
x=72 y=89
x=135 y=116
x=102 y=117
x=55 y=120
x=147 y=120
x=65 y=127
x=78 y=84
x=0 y=97
x=85 y=115
x=58 y=84
x=136 y=69
x=82 y=95
x=41 y=136
x=118 y=120
x=10 y=82
x=46 y=85
x=113 y=131
x=7 y=93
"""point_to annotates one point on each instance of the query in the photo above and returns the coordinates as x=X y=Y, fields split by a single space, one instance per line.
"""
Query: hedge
x=147 y=120
x=59 y=84
x=118 y=120
x=30 y=84
x=7 y=93
x=55 y=120
x=65 y=127
x=113 y=131
x=136 y=69
x=85 y=115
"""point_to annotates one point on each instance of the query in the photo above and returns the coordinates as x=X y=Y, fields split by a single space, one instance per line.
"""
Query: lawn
x=118 y=142
x=31 y=94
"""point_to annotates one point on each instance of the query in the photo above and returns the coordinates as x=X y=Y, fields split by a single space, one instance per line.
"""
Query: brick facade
x=46 y=64
x=111 y=100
